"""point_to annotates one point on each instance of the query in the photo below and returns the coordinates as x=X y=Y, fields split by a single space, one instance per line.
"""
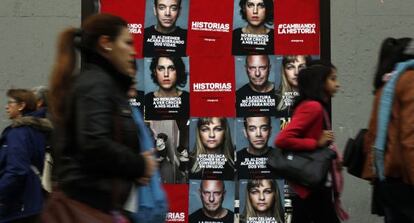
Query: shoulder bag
x=306 y=168
x=354 y=154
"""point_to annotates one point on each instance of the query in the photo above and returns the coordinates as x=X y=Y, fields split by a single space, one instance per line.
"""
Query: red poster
x=297 y=27
x=177 y=195
x=210 y=28
x=134 y=13
x=212 y=87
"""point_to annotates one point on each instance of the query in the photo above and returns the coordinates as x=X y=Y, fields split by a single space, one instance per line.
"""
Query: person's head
x=167 y=12
x=212 y=133
x=258 y=69
x=101 y=34
x=168 y=72
x=262 y=199
x=213 y=137
x=109 y=36
x=318 y=82
x=41 y=94
x=20 y=102
x=291 y=65
x=257 y=130
x=257 y=12
x=212 y=193
x=392 y=52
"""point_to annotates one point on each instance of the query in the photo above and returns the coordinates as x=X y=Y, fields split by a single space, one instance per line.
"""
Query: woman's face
x=255 y=12
x=166 y=73
x=262 y=197
x=331 y=84
x=212 y=134
x=14 y=108
x=292 y=69
x=121 y=52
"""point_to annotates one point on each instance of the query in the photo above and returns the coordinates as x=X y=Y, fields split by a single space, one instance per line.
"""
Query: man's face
x=257 y=68
x=167 y=12
x=212 y=194
x=257 y=132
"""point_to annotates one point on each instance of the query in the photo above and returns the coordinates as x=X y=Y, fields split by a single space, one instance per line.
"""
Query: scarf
x=384 y=114
x=337 y=177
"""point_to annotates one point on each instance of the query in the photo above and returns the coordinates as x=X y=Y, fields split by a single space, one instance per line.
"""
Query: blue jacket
x=22 y=146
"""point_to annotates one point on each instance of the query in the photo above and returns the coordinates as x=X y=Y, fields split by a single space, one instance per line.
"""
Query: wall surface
x=30 y=28
x=357 y=30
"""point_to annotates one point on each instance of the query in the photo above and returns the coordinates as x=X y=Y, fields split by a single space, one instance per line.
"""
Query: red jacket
x=302 y=133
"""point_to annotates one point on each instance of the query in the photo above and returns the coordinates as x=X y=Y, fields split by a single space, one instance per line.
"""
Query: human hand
x=326 y=138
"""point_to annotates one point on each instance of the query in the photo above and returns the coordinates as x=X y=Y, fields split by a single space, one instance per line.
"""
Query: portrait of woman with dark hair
x=213 y=151
x=168 y=101
x=262 y=202
x=288 y=88
x=257 y=36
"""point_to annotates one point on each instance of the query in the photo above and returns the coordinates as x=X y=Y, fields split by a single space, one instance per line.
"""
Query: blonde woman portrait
x=213 y=149
x=288 y=88
x=262 y=202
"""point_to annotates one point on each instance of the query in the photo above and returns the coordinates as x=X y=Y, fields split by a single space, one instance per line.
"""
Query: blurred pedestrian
x=96 y=151
x=307 y=131
x=393 y=178
x=21 y=159
x=42 y=101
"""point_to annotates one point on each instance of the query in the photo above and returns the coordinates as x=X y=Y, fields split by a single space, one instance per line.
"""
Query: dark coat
x=97 y=149
x=21 y=154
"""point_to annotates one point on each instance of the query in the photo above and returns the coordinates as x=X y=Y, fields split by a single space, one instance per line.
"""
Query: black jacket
x=97 y=150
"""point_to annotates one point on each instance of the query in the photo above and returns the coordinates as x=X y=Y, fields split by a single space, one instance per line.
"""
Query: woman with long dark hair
x=97 y=153
x=316 y=84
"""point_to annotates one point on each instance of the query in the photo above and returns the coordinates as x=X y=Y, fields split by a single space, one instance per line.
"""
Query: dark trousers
x=397 y=199
x=318 y=207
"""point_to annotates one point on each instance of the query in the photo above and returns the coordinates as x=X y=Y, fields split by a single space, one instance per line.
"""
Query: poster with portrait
x=254 y=139
x=261 y=200
x=165 y=30
x=225 y=47
x=209 y=28
x=287 y=92
x=212 y=91
x=212 y=148
x=166 y=88
x=297 y=27
x=136 y=92
x=208 y=197
x=133 y=12
x=171 y=149
x=256 y=83
x=253 y=31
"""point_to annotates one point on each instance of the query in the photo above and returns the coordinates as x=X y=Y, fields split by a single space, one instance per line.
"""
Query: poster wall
x=217 y=81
